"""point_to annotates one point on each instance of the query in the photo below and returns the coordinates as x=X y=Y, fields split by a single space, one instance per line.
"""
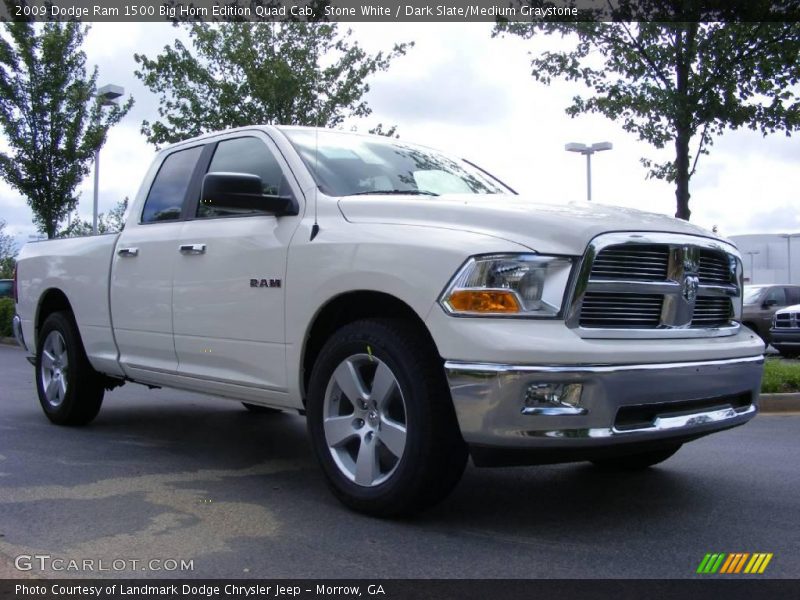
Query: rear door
x=229 y=279
x=141 y=274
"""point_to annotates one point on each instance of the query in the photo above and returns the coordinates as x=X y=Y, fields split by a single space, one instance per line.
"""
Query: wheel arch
x=345 y=308
x=52 y=300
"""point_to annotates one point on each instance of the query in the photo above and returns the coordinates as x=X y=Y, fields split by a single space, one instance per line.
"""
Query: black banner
x=401 y=10
x=393 y=589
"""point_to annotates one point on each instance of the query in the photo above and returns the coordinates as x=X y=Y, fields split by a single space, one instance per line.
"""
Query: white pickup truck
x=411 y=305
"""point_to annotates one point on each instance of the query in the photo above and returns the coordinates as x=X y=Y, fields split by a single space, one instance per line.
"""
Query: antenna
x=315 y=226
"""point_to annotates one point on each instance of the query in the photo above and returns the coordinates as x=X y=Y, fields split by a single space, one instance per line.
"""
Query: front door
x=230 y=277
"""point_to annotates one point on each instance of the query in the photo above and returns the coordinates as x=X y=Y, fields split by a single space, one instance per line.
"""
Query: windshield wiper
x=388 y=192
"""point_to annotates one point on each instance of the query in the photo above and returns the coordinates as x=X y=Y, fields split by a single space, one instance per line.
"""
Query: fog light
x=553 y=399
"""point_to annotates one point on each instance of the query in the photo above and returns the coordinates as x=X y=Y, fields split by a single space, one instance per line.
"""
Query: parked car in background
x=785 y=331
x=6 y=288
x=761 y=302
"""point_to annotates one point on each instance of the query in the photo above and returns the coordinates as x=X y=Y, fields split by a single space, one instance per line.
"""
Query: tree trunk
x=684 y=50
x=682 y=174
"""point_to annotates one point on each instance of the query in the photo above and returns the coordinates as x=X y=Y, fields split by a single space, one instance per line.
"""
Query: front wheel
x=70 y=390
x=381 y=420
x=637 y=461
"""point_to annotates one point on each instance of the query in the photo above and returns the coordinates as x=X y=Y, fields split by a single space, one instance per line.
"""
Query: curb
x=779 y=403
x=9 y=341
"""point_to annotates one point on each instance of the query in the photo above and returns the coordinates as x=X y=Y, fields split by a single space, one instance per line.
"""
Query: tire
x=411 y=450
x=70 y=390
x=787 y=353
x=261 y=410
x=638 y=461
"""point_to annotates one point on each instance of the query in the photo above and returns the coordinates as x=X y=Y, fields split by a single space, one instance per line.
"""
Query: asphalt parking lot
x=172 y=475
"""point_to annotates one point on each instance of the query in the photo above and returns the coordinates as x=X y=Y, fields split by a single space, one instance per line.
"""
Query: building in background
x=770 y=257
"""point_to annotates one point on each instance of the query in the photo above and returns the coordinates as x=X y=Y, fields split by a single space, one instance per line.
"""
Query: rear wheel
x=381 y=420
x=637 y=461
x=70 y=390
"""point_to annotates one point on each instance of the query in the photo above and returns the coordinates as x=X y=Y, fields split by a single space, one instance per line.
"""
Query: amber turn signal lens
x=482 y=301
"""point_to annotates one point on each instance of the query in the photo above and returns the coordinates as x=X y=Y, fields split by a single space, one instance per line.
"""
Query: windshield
x=751 y=293
x=345 y=164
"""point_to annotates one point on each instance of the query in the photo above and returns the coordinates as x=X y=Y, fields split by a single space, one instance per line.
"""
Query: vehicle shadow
x=506 y=502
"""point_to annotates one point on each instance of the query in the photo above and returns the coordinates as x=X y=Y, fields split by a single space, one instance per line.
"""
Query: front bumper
x=783 y=337
x=16 y=327
x=618 y=406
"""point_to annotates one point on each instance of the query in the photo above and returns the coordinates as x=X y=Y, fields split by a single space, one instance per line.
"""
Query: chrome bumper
x=613 y=405
x=16 y=327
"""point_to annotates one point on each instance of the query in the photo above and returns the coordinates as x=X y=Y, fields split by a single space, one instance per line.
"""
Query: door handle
x=128 y=252
x=192 y=249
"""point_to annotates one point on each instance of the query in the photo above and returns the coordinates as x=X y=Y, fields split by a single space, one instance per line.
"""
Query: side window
x=778 y=295
x=792 y=295
x=166 y=195
x=245 y=155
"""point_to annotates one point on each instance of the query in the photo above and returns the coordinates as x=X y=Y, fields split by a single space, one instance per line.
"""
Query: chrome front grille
x=657 y=285
x=787 y=320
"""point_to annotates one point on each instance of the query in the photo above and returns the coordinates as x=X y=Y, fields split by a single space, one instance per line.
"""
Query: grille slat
x=620 y=311
x=638 y=262
x=714 y=268
x=711 y=312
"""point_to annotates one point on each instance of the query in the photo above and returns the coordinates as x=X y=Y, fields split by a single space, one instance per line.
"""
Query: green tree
x=238 y=74
x=8 y=252
x=50 y=116
x=679 y=83
x=112 y=222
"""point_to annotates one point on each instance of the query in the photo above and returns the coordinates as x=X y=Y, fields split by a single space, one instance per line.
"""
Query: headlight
x=521 y=285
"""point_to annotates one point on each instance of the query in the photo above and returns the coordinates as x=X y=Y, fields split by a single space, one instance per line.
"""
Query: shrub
x=6 y=314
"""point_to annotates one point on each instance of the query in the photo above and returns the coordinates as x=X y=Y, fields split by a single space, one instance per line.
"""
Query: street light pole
x=587 y=150
x=106 y=96
x=789 y=237
x=96 y=190
x=588 y=176
x=752 y=253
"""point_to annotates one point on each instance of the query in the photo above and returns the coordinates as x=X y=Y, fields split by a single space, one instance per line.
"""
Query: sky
x=472 y=95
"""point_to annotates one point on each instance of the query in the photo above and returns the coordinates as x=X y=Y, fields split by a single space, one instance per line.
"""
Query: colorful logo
x=737 y=562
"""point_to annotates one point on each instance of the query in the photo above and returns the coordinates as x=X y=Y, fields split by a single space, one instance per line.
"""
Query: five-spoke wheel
x=54 y=368
x=365 y=419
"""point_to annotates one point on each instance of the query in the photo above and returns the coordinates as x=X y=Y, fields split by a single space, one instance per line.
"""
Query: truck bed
x=80 y=268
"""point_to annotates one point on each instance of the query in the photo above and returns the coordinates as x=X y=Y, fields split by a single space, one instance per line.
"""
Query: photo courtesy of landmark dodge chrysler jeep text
x=412 y=306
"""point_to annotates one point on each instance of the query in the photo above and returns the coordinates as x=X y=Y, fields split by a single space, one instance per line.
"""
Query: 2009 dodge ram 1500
x=415 y=308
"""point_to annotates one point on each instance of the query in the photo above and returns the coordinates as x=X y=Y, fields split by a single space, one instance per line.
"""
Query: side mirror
x=243 y=193
x=770 y=303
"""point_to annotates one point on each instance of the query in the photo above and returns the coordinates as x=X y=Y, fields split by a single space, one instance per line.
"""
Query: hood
x=788 y=309
x=545 y=228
